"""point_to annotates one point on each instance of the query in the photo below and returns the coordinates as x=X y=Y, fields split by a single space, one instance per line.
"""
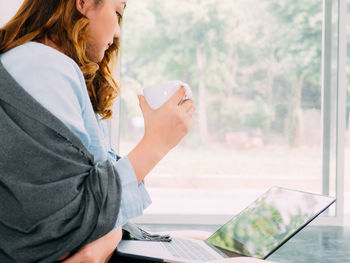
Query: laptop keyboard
x=187 y=249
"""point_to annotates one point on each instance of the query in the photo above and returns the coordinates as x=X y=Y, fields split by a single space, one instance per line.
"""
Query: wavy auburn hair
x=60 y=22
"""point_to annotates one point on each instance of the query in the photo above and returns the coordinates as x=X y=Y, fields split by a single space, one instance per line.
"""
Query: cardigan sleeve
x=56 y=82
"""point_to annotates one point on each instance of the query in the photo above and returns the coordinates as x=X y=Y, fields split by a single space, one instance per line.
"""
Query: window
x=8 y=9
x=265 y=78
x=268 y=80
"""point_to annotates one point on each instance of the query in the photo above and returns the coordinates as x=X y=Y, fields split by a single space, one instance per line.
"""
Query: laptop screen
x=269 y=222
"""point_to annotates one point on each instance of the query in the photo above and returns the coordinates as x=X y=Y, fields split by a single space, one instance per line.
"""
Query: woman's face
x=104 y=19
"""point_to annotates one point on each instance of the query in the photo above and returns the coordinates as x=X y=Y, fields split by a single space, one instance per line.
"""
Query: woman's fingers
x=178 y=96
x=64 y=257
x=187 y=103
x=191 y=110
x=76 y=258
x=188 y=106
x=99 y=250
x=174 y=100
x=167 y=125
x=143 y=104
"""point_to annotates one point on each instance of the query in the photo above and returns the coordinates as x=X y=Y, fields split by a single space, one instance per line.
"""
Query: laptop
x=257 y=231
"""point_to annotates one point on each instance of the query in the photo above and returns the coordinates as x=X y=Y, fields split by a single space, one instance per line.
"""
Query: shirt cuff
x=135 y=197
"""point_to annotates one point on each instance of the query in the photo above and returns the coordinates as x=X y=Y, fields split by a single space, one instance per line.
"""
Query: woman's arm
x=164 y=129
x=99 y=251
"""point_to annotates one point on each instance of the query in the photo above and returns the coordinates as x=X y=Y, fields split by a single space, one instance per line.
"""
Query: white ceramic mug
x=158 y=94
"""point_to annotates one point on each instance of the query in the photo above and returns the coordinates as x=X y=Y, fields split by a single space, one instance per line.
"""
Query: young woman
x=64 y=193
x=59 y=52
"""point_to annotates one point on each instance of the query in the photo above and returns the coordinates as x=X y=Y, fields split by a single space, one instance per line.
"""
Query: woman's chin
x=96 y=57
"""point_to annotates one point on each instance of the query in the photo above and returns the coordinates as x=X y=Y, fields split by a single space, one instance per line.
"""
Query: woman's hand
x=164 y=129
x=99 y=251
x=167 y=125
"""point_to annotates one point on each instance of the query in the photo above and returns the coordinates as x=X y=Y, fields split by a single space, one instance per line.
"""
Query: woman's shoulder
x=32 y=57
x=45 y=73
x=55 y=81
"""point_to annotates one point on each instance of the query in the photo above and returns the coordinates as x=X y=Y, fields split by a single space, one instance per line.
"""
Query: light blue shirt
x=56 y=81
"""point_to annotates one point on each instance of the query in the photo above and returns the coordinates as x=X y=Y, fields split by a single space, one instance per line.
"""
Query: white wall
x=7 y=9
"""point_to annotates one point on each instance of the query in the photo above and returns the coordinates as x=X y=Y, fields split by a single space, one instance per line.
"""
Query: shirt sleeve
x=56 y=82
x=135 y=197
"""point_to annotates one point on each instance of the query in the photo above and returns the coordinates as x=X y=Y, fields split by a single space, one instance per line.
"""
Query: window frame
x=327 y=36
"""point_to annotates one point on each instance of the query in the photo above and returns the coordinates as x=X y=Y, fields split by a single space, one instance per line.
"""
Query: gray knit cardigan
x=53 y=198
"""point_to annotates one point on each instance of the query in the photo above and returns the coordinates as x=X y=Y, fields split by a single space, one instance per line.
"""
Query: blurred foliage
x=266 y=223
x=262 y=59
